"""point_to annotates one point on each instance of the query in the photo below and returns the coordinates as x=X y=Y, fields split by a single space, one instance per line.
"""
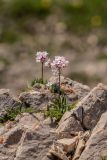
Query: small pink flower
x=41 y=56
x=48 y=63
x=58 y=64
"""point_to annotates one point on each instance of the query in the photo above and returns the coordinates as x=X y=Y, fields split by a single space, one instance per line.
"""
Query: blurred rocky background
x=76 y=29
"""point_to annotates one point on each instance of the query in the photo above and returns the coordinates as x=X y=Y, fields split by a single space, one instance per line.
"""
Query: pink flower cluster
x=56 y=65
x=59 y=62
x=41 y=57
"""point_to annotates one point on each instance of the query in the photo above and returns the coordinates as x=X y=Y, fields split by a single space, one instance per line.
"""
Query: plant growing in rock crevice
x=58 y=107
x=42 y=57
x=57 y=65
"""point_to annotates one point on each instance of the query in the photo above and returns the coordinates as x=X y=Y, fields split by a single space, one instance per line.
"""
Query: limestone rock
x=68 y=144
x=79 y=90
x=29 y=138
x=58 y=152
x=39 y=98
x=35 y=144
x=35 y=99
x=29 y=121
x=7 y=101
x=87 y=112
x=68 y=124
x=97 y=143
x=79 y=149
x=13 y=136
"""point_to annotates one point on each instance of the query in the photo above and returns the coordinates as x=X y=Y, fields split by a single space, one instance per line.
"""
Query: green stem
x=42 y=73
x=59 y=82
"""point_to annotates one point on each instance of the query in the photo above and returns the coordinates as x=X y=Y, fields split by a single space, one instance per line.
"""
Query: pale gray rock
x=87 y=112
x=35 y=99
x=7 y=101
x=30 y=138
x=13 y=136
x=35 y=144
x=79 y=90
x=40 y=97
x=96 y=146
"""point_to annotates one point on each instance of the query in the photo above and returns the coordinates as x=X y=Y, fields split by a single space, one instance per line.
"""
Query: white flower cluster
x=59 y=62
x=41 y=57
x=56 y=65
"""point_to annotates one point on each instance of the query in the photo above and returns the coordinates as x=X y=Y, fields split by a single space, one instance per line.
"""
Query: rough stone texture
x=79 y=90
x=79 y=149
x=87 y=112
x=35 y=99
x=29 y=138
x=40 y=97
x=97 y=143
x=69 y=125
x=13 y=136
x=68 y=144
x=29 y=121
x=35 y=144
x=7 y=101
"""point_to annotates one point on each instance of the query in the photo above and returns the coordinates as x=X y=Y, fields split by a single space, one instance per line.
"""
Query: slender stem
x=42 y=73
x=59 y=82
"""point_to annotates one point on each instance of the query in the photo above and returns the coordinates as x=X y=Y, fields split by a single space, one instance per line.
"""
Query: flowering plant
x=42 y=57
x=57 y=65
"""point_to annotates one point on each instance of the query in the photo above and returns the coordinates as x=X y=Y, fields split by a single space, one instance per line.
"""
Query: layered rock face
x=86 y=113
x=7 y=101
x=96 y=147
x=81 y=134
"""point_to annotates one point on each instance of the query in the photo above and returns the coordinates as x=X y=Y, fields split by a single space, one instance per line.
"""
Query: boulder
x=35 y=99
x=68 y=144
x=35 y=144
x=39 y=97
x=76 y=90
x=87 y=112
x=29 y=138
x=96 y=146
x=7 y=101
x=13 y=136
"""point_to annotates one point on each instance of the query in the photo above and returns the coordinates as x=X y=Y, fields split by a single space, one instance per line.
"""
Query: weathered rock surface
x=81 y=133
x=87 y=112
x=29 y=138
x=35 y=99
x=78 y=90
x=7 y=101
x=69 y=148
x=39 y=97
x=13 y=136
x=96 y=146
x=35 y=144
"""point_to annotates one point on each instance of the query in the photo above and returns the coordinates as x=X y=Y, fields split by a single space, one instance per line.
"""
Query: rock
x=82 y=139
x=7 y=101
x=68 y=144
x=35 y=144
x=97 y=143
x=35 y=99
x=79 y=149
x=13 y=136
x=29 y=121
x=87 y=112
x=39 y=97
x=58 y=152
x=29 y=138
x=68 y=124
x=79 y=90
x=94 y=104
